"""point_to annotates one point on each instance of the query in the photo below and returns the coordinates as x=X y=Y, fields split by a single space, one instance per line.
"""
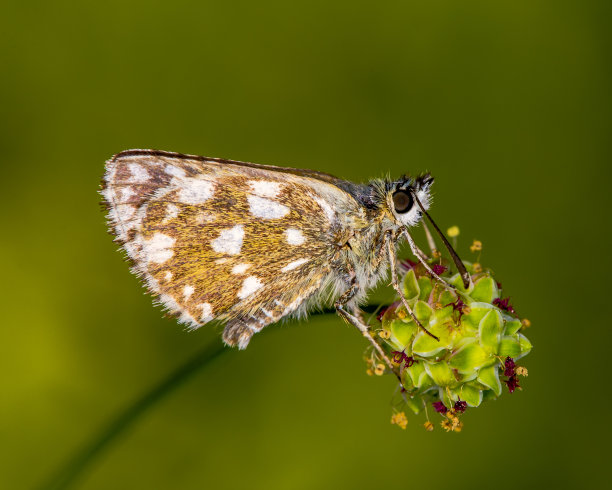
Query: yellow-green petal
x=440 y=373
x=447 y=297
x=426 y=346
x=469 y=358
x=411 y=286
x=425 y=287
x=423 y=312
x=512 y=327
x=457 y=281
x=403 y=333
x=489 y=331
x=509 y=347
x=418 y=375
x=477 y=312
x=485 y=290
x=471 y=394
x=489 y=376
x=524 y=344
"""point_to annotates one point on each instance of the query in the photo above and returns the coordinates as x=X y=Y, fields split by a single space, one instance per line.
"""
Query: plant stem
x=74 y=468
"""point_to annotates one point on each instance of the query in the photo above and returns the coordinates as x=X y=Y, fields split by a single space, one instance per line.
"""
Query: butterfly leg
x=419 y=254
x=396 y=285
x=363 y=328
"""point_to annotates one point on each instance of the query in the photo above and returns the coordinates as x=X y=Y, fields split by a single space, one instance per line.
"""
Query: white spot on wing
x=229 y=241
x=207 y=313
x=126 y=193
x=123 y=213
x=124 y=217
x=204 y=217
x=249 y=286
x=195 y=191
x=107 y=193
x=293 y=265
x=159 y=248
x=134 y=248
x=187 y=318
x=261 y=207
x=172 y=212
x=139 y=173
x=187 y=292
x=175 y=171
x=327 y=209
x=294 y=236
x=168 y=275
x=265 y=188
x=267 y=313
x=169 y=302
x=240 y=268
x=152 y=283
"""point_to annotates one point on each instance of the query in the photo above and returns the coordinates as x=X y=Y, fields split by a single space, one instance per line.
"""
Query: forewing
x=223 y=240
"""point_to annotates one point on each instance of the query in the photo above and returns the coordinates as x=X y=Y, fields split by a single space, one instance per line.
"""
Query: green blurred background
x=507 y=103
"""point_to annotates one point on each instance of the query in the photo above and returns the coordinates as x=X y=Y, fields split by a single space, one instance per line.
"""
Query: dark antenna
x=460 y=267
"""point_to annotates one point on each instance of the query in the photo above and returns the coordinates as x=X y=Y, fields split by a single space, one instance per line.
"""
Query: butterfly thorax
x=361 y=236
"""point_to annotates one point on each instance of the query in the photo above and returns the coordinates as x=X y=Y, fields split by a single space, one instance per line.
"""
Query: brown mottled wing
x=224 y=240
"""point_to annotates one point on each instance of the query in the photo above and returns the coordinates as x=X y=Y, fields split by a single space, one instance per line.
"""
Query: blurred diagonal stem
x=122 y=421
x=74 y=468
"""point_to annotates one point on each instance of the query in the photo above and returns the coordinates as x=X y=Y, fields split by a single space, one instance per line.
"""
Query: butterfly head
x=402 y=195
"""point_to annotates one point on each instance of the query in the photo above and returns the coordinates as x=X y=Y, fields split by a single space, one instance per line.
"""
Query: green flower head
x=466 y=346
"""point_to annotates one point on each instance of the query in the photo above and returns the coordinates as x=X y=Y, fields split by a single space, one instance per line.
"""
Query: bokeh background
x=507 y=103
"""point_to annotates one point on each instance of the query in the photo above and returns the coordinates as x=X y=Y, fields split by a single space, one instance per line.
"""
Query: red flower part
x=439 y=269
x=407 y=264
x=440 y=407
x=509 y=367
x=458 y=306
x=504 y=304
x=381 y=313
x=460 y=406
x=398 y=356
x=513 y=383
x=409 y=361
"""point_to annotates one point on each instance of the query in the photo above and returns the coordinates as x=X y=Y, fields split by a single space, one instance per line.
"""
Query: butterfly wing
x=222 y=240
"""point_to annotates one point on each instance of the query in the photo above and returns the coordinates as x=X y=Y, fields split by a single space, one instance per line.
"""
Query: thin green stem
x=118 y=425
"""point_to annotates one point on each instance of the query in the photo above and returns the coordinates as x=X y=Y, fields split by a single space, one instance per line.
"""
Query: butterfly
x=248 y=245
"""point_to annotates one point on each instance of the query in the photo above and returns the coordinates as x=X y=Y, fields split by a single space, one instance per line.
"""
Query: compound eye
x=402 y=201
